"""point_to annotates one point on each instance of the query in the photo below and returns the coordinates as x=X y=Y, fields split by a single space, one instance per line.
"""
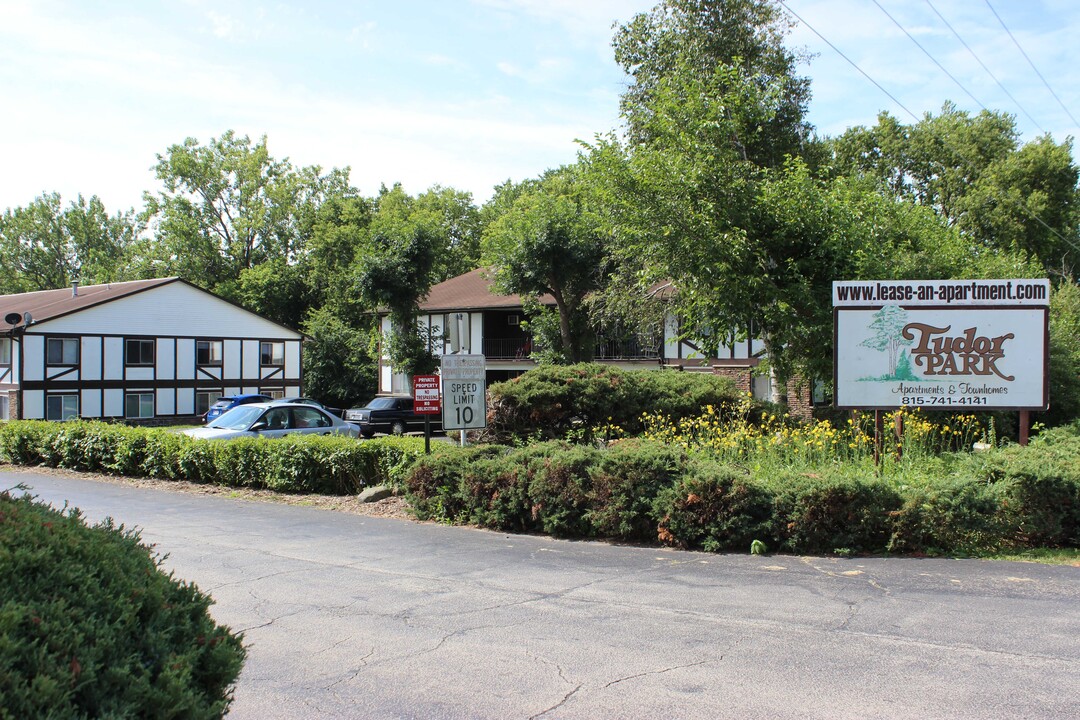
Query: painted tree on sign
x=888 y=327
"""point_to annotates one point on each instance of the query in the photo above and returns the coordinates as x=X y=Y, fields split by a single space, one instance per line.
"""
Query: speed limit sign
x=464 y=392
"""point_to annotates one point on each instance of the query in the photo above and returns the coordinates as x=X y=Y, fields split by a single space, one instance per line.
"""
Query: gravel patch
x=391 y=507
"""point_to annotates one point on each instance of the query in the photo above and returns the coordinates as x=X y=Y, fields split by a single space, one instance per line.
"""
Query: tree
x=228 y=206
x=549 y=242
x=972 y=171
x=693 y=38
x=339 y=367
x=46 y=246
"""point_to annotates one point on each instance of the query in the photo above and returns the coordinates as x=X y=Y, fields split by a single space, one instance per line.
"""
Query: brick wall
x=740 y=375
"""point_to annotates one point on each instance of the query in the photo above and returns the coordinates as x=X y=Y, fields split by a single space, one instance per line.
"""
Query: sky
x=458 y=93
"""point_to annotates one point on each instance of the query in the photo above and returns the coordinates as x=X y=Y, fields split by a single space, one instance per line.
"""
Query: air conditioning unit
x=513 y=320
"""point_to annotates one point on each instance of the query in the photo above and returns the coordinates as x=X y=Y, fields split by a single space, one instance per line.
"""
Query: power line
x=1006 y=198
x=850 y=61
x=1015 y=42
x=979 y=60
x=927 y=53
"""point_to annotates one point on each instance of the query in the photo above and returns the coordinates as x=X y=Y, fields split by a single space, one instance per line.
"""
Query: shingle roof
x=471 y=291
x=48 y=304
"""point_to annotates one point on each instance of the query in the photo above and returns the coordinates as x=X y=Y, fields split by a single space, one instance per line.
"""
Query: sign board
x=426 y=398
x=941 y=344
x=464 y=392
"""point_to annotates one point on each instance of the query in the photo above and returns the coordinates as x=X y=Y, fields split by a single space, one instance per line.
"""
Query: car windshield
x=222 y=403
x=239 y=418
x=381 y=403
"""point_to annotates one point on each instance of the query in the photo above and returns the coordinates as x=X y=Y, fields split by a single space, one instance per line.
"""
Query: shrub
x=832 y=510
x=950 y=515
x=625 y=483
x=560 y=487
x=90 y=626
x=715 y=507
x=557 y=402
x=330 y=464
x=433 y=485
x=1041 y=484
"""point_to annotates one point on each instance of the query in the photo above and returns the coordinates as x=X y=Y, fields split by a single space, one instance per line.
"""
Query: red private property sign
x=426 y=397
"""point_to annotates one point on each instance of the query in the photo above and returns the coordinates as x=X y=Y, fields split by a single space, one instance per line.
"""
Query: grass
x=1047 y=556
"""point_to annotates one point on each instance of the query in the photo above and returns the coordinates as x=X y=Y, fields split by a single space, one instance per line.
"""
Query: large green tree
x=706 y=191
x=228 y=205
x=692 y=38
x=46 y=245
x=973 y=172
x=549 y=242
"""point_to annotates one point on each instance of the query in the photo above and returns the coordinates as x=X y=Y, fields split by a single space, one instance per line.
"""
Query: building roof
x=49 y=304
x=471 y=291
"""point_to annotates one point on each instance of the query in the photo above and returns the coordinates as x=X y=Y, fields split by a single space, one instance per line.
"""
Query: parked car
x=308 y=401
x=273 y=420
x=228 y=402
x=391 y=414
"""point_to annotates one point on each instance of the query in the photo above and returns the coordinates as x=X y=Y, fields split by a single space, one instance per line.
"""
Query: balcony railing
x=521 y=348
x=507 y=348
x=633 y=349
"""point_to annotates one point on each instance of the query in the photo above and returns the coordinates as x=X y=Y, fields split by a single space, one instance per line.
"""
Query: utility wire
x=979 y=60
x=1015 y=42
x=927 y=53
x=850 y=61
x=855 y=65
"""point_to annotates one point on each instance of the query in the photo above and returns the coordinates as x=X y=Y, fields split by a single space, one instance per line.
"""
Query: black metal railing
x=507 y=348
x=633 y=349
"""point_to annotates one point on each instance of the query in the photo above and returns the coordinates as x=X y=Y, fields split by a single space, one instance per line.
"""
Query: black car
x=391 y=414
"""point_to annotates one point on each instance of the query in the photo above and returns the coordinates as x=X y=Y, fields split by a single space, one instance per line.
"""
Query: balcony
x=633 y=349
x=507 y=348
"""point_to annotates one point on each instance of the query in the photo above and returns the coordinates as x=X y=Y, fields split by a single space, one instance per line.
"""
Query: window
x=5 y=351
x=139 y=405
x=204 y=399
x=272 y=353
x=275 y=394
x=62 y=351
x=5 y=408
x=310 y=418
x=208 y=352
x=61 y=407
x=139 y=352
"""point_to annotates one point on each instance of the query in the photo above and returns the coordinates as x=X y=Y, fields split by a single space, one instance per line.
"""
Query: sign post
x=426 y=402
x=464 y=393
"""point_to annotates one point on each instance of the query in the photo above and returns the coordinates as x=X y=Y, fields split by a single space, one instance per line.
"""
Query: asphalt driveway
x=355 y=617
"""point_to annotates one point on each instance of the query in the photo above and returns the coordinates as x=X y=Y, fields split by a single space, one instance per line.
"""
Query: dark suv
x=391 y=414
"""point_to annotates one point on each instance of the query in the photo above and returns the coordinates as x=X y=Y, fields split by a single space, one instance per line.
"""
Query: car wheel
x=398 y=428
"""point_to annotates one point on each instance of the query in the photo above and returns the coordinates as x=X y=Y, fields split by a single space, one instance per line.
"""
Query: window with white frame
x=275 y=393
x=272 y=353
x=62 y=407
x=204 y=399
x=62 y=351
x=5 y=351
x=139 y=405
x=208 y=352
x=5 y=407
x=138 y=352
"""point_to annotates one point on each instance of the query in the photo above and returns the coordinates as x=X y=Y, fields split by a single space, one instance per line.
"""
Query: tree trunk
x=776 y=387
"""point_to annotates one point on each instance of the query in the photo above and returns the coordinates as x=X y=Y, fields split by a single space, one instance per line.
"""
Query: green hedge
x=639 y=490
x=556 y=402
x=90 y=627
x=318 y=464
